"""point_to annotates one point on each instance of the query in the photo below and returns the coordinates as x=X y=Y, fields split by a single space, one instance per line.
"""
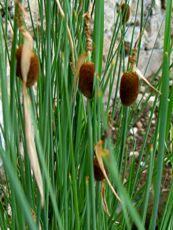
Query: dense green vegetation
x=67 y=127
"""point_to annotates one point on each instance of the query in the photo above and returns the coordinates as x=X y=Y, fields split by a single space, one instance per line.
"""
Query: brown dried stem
x=89 y=45
x=20 y=13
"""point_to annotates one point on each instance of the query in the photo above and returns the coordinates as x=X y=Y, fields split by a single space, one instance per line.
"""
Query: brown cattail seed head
x=125 y=11
x=129 y=87
x=98 y=175
x=86 y=79
x=33 y=69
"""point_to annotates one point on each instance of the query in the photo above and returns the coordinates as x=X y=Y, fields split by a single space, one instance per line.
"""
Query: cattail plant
x=87 y=69
x=86 y=78
x=129 y=86
x=27 y=70
x=54 y=139
x=125 y=12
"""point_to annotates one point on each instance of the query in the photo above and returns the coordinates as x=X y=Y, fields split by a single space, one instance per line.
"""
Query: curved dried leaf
x=31 y=145
x=146 y=81
x=100 y=152
x=105 y=206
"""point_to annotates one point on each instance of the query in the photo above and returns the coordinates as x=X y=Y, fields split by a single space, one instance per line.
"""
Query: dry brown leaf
x=145 y=80
x=31 y=144
x=105 y=206
x=26 y=55
x=100 y=152
x=29 y=132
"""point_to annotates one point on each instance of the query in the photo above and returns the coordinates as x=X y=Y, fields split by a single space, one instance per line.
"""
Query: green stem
x=163 y=112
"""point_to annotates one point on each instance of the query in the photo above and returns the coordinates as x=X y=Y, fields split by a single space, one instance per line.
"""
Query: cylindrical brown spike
x=125 y=10
x=33 y=69
x=86 y=79
x=98 y=175
x=129 y=87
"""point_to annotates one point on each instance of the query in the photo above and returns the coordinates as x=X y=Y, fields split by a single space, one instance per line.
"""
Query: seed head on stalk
x=87 y=68
x=129 y=85
x=24 y=57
